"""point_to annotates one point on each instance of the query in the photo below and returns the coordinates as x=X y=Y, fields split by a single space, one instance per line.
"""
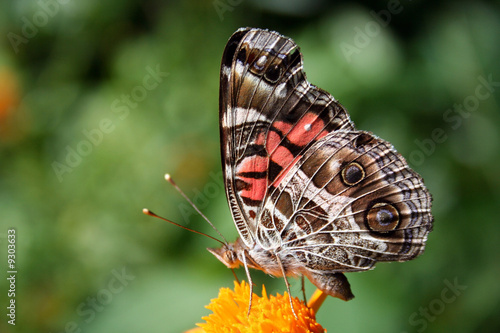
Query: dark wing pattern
x=270 y=116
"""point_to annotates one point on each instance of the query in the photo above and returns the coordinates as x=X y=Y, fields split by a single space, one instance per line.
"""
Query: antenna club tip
x=169 y=179
x=145 y=210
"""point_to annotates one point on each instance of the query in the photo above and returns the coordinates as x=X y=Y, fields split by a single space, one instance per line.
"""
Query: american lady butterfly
x=310 y=195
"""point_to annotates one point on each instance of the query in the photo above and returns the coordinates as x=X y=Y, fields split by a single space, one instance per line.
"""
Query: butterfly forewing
x=270 y=115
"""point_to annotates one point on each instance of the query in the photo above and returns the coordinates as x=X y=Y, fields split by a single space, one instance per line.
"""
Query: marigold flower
x=268 y=314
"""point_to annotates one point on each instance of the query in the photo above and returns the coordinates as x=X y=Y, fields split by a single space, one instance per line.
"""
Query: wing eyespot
x=382 y=217
x=352 y=174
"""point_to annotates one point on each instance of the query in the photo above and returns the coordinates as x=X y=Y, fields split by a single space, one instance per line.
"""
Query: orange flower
x=268 y=314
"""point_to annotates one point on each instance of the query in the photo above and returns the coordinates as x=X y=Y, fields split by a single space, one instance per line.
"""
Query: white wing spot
x=307 y=127
x=261 y=62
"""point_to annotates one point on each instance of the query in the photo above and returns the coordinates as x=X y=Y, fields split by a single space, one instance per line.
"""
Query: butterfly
x=310 y=194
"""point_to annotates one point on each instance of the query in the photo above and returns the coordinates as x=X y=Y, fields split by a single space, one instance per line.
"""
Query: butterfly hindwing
x=350 y=201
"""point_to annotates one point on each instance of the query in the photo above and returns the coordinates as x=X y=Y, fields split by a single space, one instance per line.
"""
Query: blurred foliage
x=79 y=159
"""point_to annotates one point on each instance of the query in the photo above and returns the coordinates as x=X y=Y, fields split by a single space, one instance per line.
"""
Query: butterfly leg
x=244 y=261
x=235 y=276
x=287 y=285
x=303 y=289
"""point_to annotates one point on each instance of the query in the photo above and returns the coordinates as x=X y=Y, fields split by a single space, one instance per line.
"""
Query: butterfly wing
x=349 y=202
x=269 y=116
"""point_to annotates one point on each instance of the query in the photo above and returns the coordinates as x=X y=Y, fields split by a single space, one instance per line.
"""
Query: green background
x=65 y=70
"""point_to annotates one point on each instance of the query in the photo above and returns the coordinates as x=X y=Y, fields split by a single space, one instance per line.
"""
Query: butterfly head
x=228 y=254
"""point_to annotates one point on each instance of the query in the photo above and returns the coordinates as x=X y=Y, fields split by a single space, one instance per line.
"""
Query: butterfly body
x=309 y=194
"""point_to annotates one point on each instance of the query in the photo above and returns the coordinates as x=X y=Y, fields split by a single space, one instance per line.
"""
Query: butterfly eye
x=230 y=258
x=352 y=174
x=382 y=217
x=273 y=73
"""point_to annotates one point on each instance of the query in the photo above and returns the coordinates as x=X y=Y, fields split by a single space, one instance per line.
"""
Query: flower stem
x=316 y=300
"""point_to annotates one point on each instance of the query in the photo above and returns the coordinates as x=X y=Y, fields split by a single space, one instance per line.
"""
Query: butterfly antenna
x=150 y=213
x=169 y=179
